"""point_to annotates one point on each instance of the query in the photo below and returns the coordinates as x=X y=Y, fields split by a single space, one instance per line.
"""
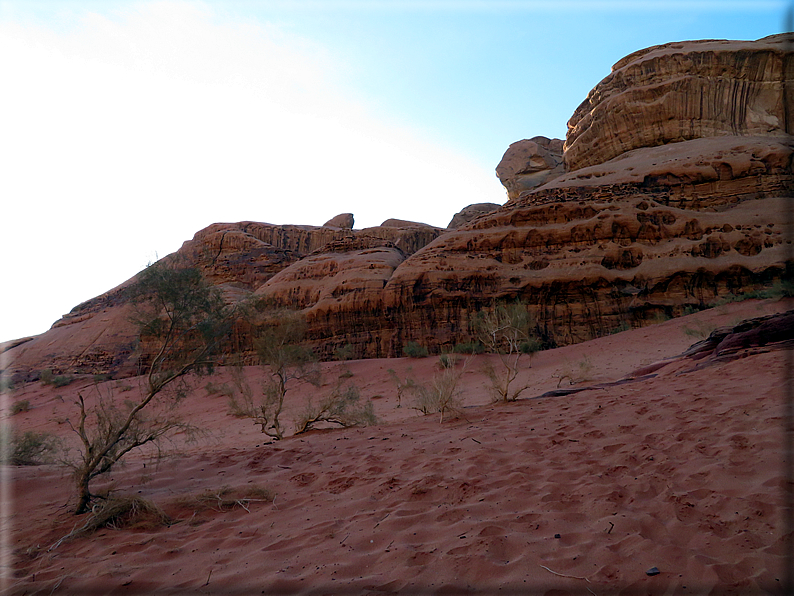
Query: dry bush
x=340 y=407
x=441 y=396
x=403 y=385
x=576 y=373
x=505 y=330
x=227 y=498
x=284 y=360
x=30 y=448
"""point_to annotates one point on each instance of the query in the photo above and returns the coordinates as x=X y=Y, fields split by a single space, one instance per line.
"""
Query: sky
x=126 y=127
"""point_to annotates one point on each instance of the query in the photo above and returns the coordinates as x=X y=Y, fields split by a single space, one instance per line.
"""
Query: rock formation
x=682 y=91
x=469 y=213
x=343 y=220
x=529 y=164
x=671 y=193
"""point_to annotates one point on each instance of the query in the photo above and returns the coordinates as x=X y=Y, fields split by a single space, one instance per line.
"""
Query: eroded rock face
x=682 y=91
x=343 y=220
x=667 y=204
x=471 y=212
x=529 y=164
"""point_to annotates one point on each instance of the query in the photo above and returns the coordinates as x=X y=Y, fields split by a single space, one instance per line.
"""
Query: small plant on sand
x=441 y=396
x=23 y=405
x=506 y=331
x=474 y=347
x=402 y=384
x=699 y=329
x=340 y=407
x=181 y=319
x=30 y=448
x=413 y=349
x=284 y=360
x=576 y=373
x=447 y=361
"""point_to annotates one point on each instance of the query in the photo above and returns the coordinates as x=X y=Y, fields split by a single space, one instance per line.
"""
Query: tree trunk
x=83 y=494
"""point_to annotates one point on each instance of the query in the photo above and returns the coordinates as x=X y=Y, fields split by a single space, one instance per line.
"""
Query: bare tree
x=506 y=331
x=341 y=407
x=181 y=320
x=284 y=360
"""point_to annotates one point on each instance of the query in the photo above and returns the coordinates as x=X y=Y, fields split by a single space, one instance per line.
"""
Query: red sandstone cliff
x=670 y=192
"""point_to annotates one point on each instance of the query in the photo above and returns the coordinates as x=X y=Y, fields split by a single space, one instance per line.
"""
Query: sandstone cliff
x=670 y=194
x=681 y=91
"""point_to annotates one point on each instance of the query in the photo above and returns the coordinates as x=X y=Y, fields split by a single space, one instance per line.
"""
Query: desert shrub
x=340 y=407
x=46 y=376
x=624 y=326
x=102 y=377
x=227 y=498
x=124 y=512
x=402 y=384
x=182 y=319
x=474 y=347
x=32 y=448
x=215 y=389
x=6 y=384
x=413 y=350
x=447 y=361
x=22 y=405
x=62 y=380
x=699 y=329
x=345 y=352
x=578 y=372
x=505 y=330
x=441 y=396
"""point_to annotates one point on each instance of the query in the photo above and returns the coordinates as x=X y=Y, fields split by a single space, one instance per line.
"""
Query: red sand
x=575 y=494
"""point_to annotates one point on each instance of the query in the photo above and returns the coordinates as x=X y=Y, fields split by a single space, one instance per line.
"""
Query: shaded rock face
x=681 y=91
x=529 y=164
x=343 y=220
x=471 y=212
x=667 y=204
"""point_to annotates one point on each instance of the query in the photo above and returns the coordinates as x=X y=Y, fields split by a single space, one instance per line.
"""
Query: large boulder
x=529 y=164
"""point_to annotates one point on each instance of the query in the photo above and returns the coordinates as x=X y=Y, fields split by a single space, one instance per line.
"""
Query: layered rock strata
x=682 y=91
x=663 y=203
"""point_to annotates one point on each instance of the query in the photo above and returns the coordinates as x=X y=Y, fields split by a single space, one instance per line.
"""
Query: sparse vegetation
x=441 y=396
x=284 y=360
x=340 y=407
x=413 y=349
x=23 y=405
x=699 y=329
x=182 y=319
x=505 y=331
x=31 y=448
x=216 y=389
x=47 y=377
x=469 y=348
x=227 y=498
x=576 y=373
x=345 y=352
x=402 y=384
x=447 y=361
x=6 y=384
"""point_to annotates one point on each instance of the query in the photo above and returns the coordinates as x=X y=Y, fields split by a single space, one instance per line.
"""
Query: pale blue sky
x=129 y=126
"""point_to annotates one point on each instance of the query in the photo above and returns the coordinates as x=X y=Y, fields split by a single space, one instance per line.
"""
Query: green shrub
x=62 y=380
x=474 y=347
x=345 y=352
x=6 y=385
x=447 y=361
x=413 y=350
x=48 y=378
x=20 y=406
x=32 y=448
